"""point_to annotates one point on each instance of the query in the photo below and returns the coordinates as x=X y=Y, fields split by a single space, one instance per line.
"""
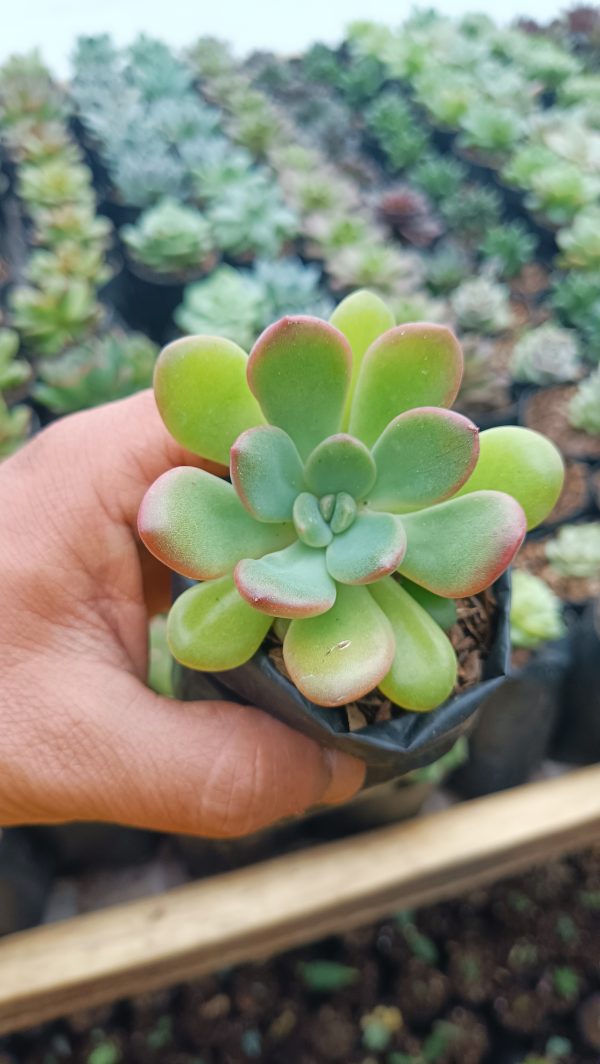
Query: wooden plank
x=254 y=912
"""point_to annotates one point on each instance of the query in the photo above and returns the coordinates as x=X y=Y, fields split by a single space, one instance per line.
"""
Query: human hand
x=81 y=736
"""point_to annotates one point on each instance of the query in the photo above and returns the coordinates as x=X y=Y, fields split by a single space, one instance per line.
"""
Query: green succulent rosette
x=356 y=501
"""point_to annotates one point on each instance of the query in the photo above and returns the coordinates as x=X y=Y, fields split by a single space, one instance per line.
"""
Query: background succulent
x=472 y=211
x=252 y=218
x=15 y=423
x=491 y=129
x=13 y=371
x=535 y=611
x=70 y=261
x=509 y=248
x=580 y=243
x=446 y=267
x=584 y=408
x=324 y=431
x=527 y=161
x=440 y=176
x=54 y=183
x=375 y=265
x=546 y=355
x=575 y=550
x=169 y=238
x=482 y=305
x=143 y=177
x=72 y=223
x=215 y=167
x=288 y=286
x=99 y=370
x=226 y=303
x=408 y=214
x=52 y=317
x=391 y=123
x=576 y=300
x=560 y=191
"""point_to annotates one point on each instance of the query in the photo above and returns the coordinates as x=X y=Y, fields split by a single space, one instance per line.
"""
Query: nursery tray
x=257 y=911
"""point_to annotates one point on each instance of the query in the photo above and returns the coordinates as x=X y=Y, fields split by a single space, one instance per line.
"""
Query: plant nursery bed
x=575 y=589
x=546 y=411
x=256 y=912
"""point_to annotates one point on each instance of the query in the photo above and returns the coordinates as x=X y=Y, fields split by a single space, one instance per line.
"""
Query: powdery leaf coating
x=423 y=671
x=340 y=463
x=524 y=464
x=422 y=457
x=341 y=655
x=409 y=366
x=309 y=522
x=266 y=472
x=372 y=547
x=211 y=627
x=361 y=317
x=290 y=583
x=460 y=547
x=195 y=523
x=299 y=370
x=203 y=396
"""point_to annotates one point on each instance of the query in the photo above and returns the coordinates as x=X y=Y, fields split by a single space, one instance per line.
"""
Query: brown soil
x=532 y=557
x=502 y=970
x=595 y=488
x=574 y=497
x=471 y=638
x=531 y=282
x=546 y=412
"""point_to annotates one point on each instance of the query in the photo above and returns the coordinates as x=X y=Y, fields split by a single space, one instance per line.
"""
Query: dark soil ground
x=507 y=974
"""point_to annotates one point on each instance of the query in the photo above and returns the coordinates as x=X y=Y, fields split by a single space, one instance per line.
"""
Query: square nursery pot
x=577 y=738
x=147 y=299
x=390 y=748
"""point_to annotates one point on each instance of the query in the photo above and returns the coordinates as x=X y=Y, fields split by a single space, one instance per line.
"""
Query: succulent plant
x=143 y=178
x=215 y=167
x=99 y=370
x=439 y=176
x=27 y=90
x=446 y=99
x=584 y=408
x=535 y=611
x=580 y=243
x=287 y=286
x=321 y=63
x=484 y=386
x=54 y=183
x=509 y=247
x=527 y=161
x=15 y=424
x=226 y=302
x=472 y=212
x=446 y=268
x=52 y=317
x=328 y=500
x=408 y=214
x=70 y=261
x=390 y=121
x=155 y=71
x=490 y=129
x=184 y=119
x=548 y=354
x=252 y=219
x=575 y=550
x=372 y=263
x=576 y=299
x=482 y=305
x=13 y=371
x=210 y=57
x=559 y=192
x=169 y=238
x=360 y=79
x=72 y=223
x=36 y=142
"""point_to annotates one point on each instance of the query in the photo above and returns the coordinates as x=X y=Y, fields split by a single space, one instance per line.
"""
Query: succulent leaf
x=340 y=463
x=422 y=457
x=211 y=627
x=203 y=396
x=293 y=582
x=442 y=610
x=423 y=672
x=409 y=366
x=362 y=317
x=299 y=370
x=310 y=521
x=522 y=463
x=461 y=546
x=340 y=656
x=372 y=547
x=195 y=523
x=266 y=473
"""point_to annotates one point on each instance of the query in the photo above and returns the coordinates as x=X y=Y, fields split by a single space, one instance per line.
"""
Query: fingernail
x=347 y=776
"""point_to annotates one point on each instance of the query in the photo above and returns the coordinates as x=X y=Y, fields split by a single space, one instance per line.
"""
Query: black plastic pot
x=513 y=731
x=577 y=738
x=389 y=749
x=147 y=300
x=26 y=871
